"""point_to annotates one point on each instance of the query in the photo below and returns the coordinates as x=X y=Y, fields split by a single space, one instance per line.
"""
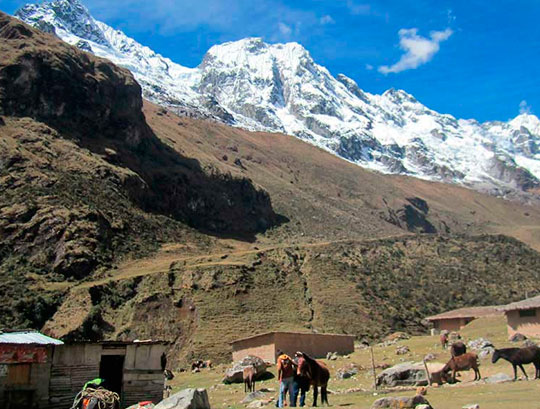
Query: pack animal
x=318 y=375
x=518 y=357
x=249 y=375
x=458 y=348
x=460 y=363
x=444 y=340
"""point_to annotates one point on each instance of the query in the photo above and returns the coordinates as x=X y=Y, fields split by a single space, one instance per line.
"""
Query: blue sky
x=472 y=59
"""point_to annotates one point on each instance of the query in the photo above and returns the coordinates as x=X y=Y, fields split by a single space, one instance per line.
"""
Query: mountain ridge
x=279 y=88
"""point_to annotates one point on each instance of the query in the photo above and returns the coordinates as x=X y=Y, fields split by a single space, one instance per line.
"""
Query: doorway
x=111 y=369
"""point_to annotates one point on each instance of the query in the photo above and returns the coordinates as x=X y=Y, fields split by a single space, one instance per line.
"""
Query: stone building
x=523 y=317
x=41 y=372
x=456 y=319
x=267 y=346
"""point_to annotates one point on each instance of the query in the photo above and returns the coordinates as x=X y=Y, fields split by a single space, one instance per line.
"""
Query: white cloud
x=418 y=50
x=524 y=108
x=358 y=9
x=327 y=20
x=284 y=29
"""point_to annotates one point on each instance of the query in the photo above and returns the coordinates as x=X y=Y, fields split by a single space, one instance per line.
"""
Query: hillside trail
x=228 y=252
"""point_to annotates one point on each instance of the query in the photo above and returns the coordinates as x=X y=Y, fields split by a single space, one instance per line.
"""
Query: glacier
x=280 y=88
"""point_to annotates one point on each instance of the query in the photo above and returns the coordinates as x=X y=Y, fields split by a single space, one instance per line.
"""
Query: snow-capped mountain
x=279 y=88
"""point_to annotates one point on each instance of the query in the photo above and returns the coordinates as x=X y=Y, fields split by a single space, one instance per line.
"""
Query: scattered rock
x=250 y=397
x=485 y=352
x=347 y=372
x=517 y=337
x=396 y=336
x=430 y=357
x=259 y=403
x=498 y=378
x=422 y=390
x=401 y=402
x=472 y=406
x=186 y=399
x=332 y=356
x=480 y=343
x=529 y=343
x=234 y=374
x=422 y=406
x=402 y=350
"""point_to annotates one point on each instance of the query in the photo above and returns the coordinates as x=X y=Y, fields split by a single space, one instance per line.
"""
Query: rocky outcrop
x=99 y=106
x=234 y=374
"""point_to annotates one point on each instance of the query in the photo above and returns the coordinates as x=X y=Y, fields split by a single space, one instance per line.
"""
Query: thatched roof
x=467 y=312
x=526 y=304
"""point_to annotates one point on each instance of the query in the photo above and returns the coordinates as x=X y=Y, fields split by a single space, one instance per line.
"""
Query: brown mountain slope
x=327 y=198
x=85 y=181
x=90 y=186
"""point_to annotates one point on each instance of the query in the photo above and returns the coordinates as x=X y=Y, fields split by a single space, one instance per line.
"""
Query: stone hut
x=45 y=373
x=523 y=317
x=267 y=345
x=456 y=319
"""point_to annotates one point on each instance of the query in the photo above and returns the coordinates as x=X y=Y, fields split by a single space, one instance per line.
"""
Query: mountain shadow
x=99 y=106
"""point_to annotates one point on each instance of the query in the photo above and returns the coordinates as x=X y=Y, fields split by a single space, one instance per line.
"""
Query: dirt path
x=162 y=261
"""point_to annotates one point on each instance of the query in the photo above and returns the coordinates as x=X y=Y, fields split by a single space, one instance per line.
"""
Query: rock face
x=186 y=399
x=234 y=374
x=99 y=105
x=401 y=403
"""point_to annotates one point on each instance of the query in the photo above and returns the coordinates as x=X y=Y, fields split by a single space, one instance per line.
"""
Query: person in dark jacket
x=300 y=383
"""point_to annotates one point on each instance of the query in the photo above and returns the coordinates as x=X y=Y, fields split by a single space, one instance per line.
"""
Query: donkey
x=461 y=363
x=458 y=348
x=518 y=357
x=317 y=373
x=249 y=374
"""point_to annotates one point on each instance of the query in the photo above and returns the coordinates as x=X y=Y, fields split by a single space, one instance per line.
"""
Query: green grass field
x=512 y=395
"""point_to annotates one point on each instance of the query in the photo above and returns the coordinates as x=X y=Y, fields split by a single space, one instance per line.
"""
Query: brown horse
x=318 y=375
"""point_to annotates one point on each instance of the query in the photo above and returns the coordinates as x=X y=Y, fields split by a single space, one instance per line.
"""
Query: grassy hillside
x=364 y=288
x=123 y=221
x=357 y=392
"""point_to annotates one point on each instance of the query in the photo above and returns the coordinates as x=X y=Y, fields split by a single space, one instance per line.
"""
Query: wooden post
x=427 y=372
x=373 y=368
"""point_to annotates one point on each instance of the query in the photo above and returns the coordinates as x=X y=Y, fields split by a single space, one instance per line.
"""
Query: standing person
x=285 y=377
x=300 y=383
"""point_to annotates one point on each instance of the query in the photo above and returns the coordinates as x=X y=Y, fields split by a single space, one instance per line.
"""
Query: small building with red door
x=40 y=372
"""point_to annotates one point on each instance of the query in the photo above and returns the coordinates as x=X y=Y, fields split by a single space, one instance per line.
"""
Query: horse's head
x=496 y=356
x=303 y=365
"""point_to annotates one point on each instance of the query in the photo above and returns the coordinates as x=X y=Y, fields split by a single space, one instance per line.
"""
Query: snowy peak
x=68 y=15
x=280 y=88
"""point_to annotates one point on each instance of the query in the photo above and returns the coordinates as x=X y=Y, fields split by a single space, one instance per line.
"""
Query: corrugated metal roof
x=27 y=337
x=526 y=304
x=467 y=312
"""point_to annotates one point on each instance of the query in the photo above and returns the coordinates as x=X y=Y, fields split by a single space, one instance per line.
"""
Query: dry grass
x=516 y=395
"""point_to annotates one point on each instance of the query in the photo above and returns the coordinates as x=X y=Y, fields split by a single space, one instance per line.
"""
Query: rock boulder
x=402 y=402
x=234 y=373
x=186 y=399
